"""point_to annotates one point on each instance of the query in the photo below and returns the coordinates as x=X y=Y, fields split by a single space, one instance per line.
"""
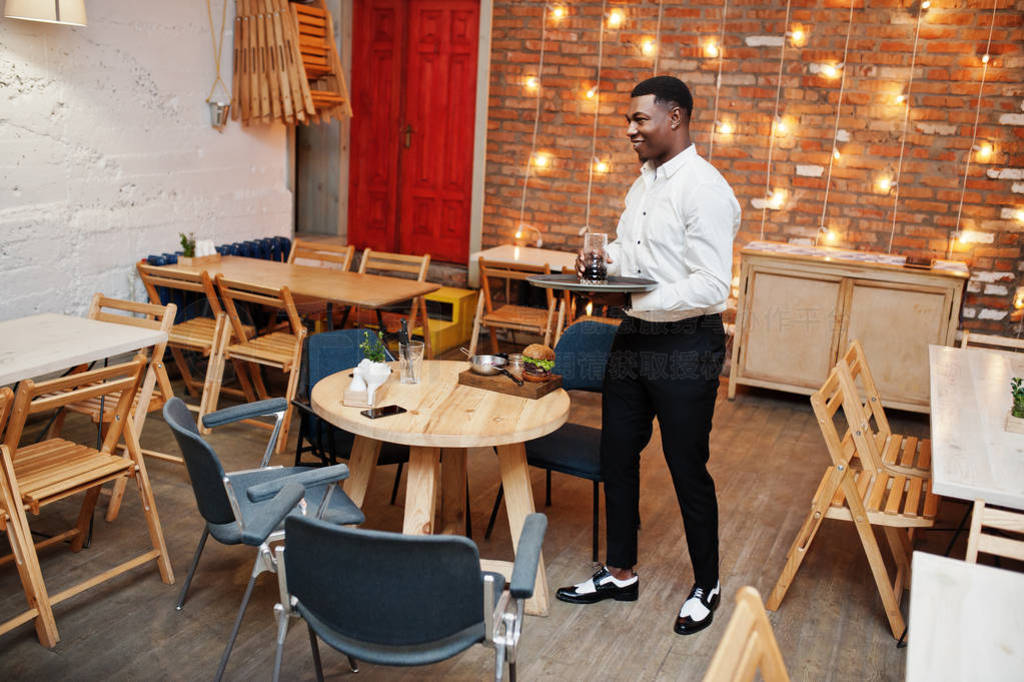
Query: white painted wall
x=106 y=153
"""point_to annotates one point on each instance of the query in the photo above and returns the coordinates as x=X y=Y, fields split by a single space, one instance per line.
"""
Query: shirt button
x=638 y=242
x=645 y=212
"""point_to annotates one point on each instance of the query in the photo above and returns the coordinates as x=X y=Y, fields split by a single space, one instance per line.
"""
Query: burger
x=538 y=361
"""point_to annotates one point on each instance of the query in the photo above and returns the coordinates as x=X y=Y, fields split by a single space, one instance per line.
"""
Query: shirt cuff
x=650 y=300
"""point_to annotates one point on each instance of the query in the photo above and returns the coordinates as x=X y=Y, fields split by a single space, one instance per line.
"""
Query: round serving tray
x=614 y=285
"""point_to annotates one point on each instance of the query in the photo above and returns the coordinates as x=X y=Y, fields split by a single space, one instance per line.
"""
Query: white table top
x=966 y=622
x=973 y=456
x=509 y=253
x=38 y=344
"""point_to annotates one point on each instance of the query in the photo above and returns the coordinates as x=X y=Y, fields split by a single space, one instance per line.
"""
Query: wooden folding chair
x=278 y=349
x=400 y=265
x=14 y=523
x=540 y=321
x=321 y=254
x=195 y=334
x=44 y=472
x=863 y=490
x=971 y=339
x=748 y=645
x=1007 y=541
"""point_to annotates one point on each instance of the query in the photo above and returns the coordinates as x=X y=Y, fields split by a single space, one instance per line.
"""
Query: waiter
x=677 y=229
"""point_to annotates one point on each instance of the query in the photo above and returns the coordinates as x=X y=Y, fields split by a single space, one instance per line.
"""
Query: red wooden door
x=414 y=93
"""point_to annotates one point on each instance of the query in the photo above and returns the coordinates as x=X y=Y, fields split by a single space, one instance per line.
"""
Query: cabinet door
x=895 y=323
x=789 y=328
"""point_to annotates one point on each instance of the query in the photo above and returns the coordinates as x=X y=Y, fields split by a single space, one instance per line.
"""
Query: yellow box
x=451 y=312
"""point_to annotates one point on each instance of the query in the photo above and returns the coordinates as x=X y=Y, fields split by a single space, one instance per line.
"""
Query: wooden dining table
x=447 y=422
x=326 y=284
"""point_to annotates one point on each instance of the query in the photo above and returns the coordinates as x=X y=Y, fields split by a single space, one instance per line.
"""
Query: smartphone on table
x=385 y=411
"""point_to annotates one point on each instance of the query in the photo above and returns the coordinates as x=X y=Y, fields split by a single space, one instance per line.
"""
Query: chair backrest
x=1006 y=541
x=748 y=645
x=827 y=401
x=233 y=291
x=972 y=339
x=384 y=263
x=582 y=353
x=321 y=254
x=864 y=403
x=6 y=398
x=330 y=352
x=134 y=314
x=204 y=467
x=45 y=396
x=153 y=276
x=510 y=272
x=398 y=590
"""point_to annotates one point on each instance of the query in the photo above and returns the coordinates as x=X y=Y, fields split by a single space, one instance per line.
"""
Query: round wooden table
x=442 y=414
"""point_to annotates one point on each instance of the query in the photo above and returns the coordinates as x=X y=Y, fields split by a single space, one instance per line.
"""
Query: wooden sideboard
x=800 y=306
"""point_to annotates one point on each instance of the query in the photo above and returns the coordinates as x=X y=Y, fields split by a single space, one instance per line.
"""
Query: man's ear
x=676 y=117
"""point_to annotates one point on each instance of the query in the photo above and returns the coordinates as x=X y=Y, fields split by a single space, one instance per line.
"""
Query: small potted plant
x=193 y=253
x=1015 y=418
x=370 y=374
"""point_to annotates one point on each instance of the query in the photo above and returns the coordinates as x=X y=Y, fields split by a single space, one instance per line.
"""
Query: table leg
x=515 y=477
x=421 y=490
x=360 y=466
x=453 y=491
x=427 y=348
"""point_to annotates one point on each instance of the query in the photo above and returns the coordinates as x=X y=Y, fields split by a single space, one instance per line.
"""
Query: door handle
x=408 y=134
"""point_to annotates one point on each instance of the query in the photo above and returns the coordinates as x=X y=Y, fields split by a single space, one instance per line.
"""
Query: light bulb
x=829 y=70
x=926 y=4
x=779 y=126
x=835 y=153
x=616 y=18
x=984 y=59
x=590 y=308
x=601 y=166
x=592 y=92
x=778 y=199
x=711 y=49
x=984 y=151
x=648 y=46
x=519 y=234
x=1018 y=298
x=884 y=184
x=558 y=12
x=541 y=160
x=797 y=36
x=831 y=237
x=725 y=128
x=900 y=99
x=1019 y=215
x=532 y=83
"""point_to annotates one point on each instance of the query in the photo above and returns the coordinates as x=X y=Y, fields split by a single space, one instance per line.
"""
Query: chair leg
x=282 y=633
x=476 y=323
x=547 y=489
x=511 y=671
x=85 y=517
x=192 y=568
x=494 y=512
x=469 y=515
x=238 y=624
x=398 y=479
x=597 y=504
x=315 y=648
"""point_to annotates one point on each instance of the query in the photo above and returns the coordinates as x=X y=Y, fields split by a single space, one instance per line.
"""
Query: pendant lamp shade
x=71 y=12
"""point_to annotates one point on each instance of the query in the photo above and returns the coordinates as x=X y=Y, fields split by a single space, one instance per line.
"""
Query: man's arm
x=709 y=237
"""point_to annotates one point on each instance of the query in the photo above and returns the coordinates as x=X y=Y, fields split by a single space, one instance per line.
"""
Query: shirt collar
x=669 y=168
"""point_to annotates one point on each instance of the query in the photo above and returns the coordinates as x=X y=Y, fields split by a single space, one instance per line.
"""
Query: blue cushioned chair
x=249 y=507
x=574 y=449
x=401 y=600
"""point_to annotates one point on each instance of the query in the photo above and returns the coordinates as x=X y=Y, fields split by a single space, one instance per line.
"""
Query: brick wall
x=952 y=40
x=106 y=153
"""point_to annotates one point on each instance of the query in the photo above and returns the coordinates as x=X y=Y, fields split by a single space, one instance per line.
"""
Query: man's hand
x=581 y=266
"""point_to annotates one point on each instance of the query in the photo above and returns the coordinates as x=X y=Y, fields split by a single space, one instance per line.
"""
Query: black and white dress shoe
x=603 y=585
x=698 y=610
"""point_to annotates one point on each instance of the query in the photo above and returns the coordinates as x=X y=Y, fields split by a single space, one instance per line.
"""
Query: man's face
x=650 y=127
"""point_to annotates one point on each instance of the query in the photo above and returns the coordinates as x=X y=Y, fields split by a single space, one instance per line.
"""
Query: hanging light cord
x=218 y=45
x=977 y=114
x=597 y=109
x=536 y=112
x=835 y=129
x=718 y=80
x=657 y=38
x=775 y=116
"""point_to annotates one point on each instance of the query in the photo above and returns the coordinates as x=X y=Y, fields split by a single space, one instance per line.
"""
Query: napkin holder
x=353 y=398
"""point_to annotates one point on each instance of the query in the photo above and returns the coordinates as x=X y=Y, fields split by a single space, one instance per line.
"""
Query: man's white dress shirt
x=677 y=229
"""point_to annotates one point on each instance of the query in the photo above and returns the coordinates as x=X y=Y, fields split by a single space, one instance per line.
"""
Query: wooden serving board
x=502 y=384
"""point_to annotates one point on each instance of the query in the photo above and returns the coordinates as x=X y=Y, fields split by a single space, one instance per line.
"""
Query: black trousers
x=669 y=370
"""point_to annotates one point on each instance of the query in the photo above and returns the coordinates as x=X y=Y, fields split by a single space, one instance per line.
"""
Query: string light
x=831 y=70
x=725 y=128
x=775 y=119
x=780 y=127
x=835 y=153
x=777 y=199
x=648 y=46
x=657 y=38
x=711 y=49
x=541 y=160
x=901 y=98
x=532 y=83
x=985 y=58
x=597 y=108
x=558 y=12
x=797 y=36
x=984 y=151
x=884 y=184
x=926 y=4
x=828 y=235
x=839 y=112
x=616 y=18
x=1019 y=215
x=718 y=85
x=592 y=92
x=977 y=114
x=601 y=166
x=533 y=158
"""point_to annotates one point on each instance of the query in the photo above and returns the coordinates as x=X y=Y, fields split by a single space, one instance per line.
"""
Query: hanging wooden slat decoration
x=286 y=64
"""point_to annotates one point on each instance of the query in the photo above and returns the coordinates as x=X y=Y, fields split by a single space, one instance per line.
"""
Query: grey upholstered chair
x=249 y=507
x=401 y=600
x=573 y=449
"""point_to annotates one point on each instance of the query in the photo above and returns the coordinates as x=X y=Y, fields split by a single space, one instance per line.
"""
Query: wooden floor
x=767 y=457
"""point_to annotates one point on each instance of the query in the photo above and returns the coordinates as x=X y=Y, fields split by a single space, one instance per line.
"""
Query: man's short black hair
x=667 y=90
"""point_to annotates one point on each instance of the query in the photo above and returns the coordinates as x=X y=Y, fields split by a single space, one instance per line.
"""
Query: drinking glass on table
x=410 y=362
x=594 y=269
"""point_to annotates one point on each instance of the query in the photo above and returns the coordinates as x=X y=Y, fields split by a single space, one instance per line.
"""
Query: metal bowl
x=487 y=364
